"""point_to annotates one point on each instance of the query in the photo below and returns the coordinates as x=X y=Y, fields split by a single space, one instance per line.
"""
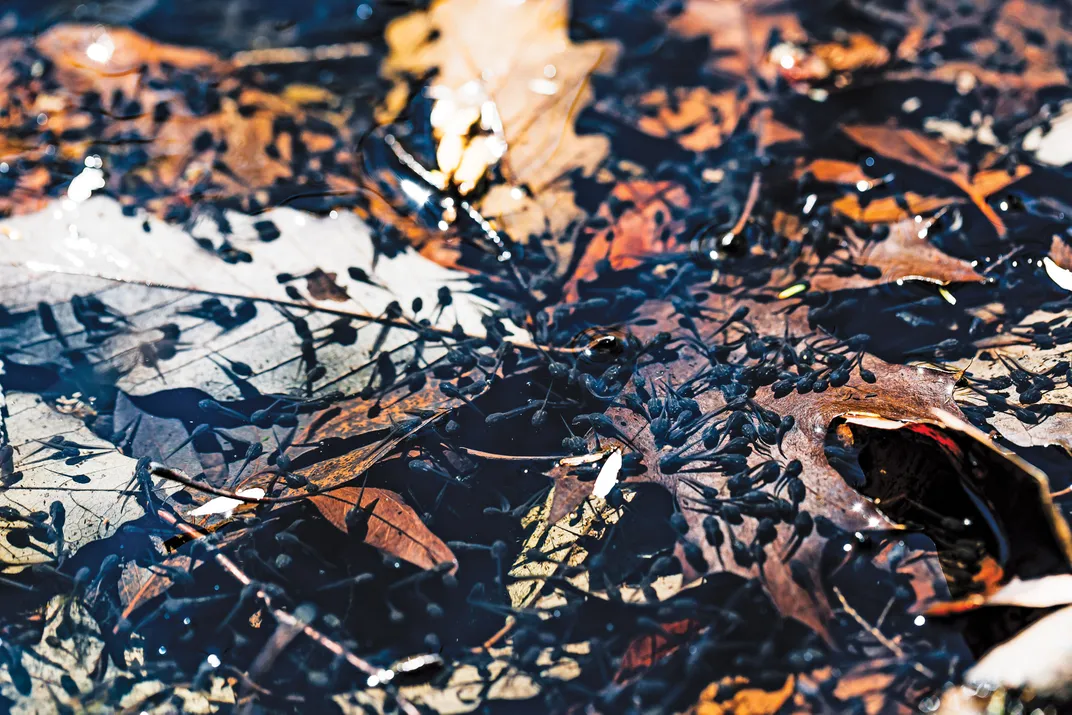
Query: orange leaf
x=394 y=527
x=888 y=209
x=935 y=156
x=646 y=651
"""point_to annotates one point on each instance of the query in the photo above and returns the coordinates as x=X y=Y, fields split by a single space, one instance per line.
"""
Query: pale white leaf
x=162 y=278
x=94 y=238
x=1061 y=276
x=225 y=505
x=1054 y=147
x=1038 y=657
x=1045 y=592
x=91 y=486
x=608 y=475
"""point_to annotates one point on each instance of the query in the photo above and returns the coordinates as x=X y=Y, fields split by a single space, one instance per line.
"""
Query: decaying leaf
x=64 y=486
x=497 y=679
x=927 y=154
x=1022 y=388
x=640 y=218
x=1031 y=660
x=556 y=544
x=229 y=141
x=905 y=254
x=315 y=264
x=890 y=209
x=387 y=523
x=737 y=696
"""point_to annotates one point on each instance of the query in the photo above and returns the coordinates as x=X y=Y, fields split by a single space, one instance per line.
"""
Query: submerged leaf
x=389 y=524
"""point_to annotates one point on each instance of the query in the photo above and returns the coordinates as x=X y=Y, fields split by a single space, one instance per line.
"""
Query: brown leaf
x=646 y=651
x=904 y=255
x=1011 y=349
x=697 y=118
x=393 y=528
x=926 y=153
x=223 y=149
x=900 y=395
x=736 y=696
x=638 y=231
x=833 y=171
x=900 y=398
x=890 y=209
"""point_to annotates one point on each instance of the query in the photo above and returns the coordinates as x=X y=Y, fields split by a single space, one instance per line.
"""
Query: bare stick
x=879 y=636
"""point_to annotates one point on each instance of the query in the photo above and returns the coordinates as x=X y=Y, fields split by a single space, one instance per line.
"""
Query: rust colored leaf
x=226 y=148
x=696 y=117
x=833 y=171
x=646 y=651
x=904 y=255
x=897 y=397
x=735 y=696
x=900 y=395
x=393 y=528
x=925 y=153
x=890 y=209
x=649 y=217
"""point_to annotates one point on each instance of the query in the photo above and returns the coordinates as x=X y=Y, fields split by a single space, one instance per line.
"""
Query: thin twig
x=512 y=457
x=749 y=204
x=879 y=636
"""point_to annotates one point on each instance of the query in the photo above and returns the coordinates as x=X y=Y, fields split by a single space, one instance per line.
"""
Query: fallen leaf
x=496 y=679
x=697 y=118
x=1021 y=388
x=560 y=543
x=931 y=155
x=170 y=258
x=640 y=217
x=734 y=696
x=899 y=395
x=833 y=171
x=76 y=481
x=537 y=112
x=223 y=143
x=1045 y=592
x=1051 y=146
x=646 y=651
x=393 y=527
x=905 y=254
x=1032 y=659
x=890 y=209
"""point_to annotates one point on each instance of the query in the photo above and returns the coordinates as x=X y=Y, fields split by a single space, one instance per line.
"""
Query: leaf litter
x=686 y=357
